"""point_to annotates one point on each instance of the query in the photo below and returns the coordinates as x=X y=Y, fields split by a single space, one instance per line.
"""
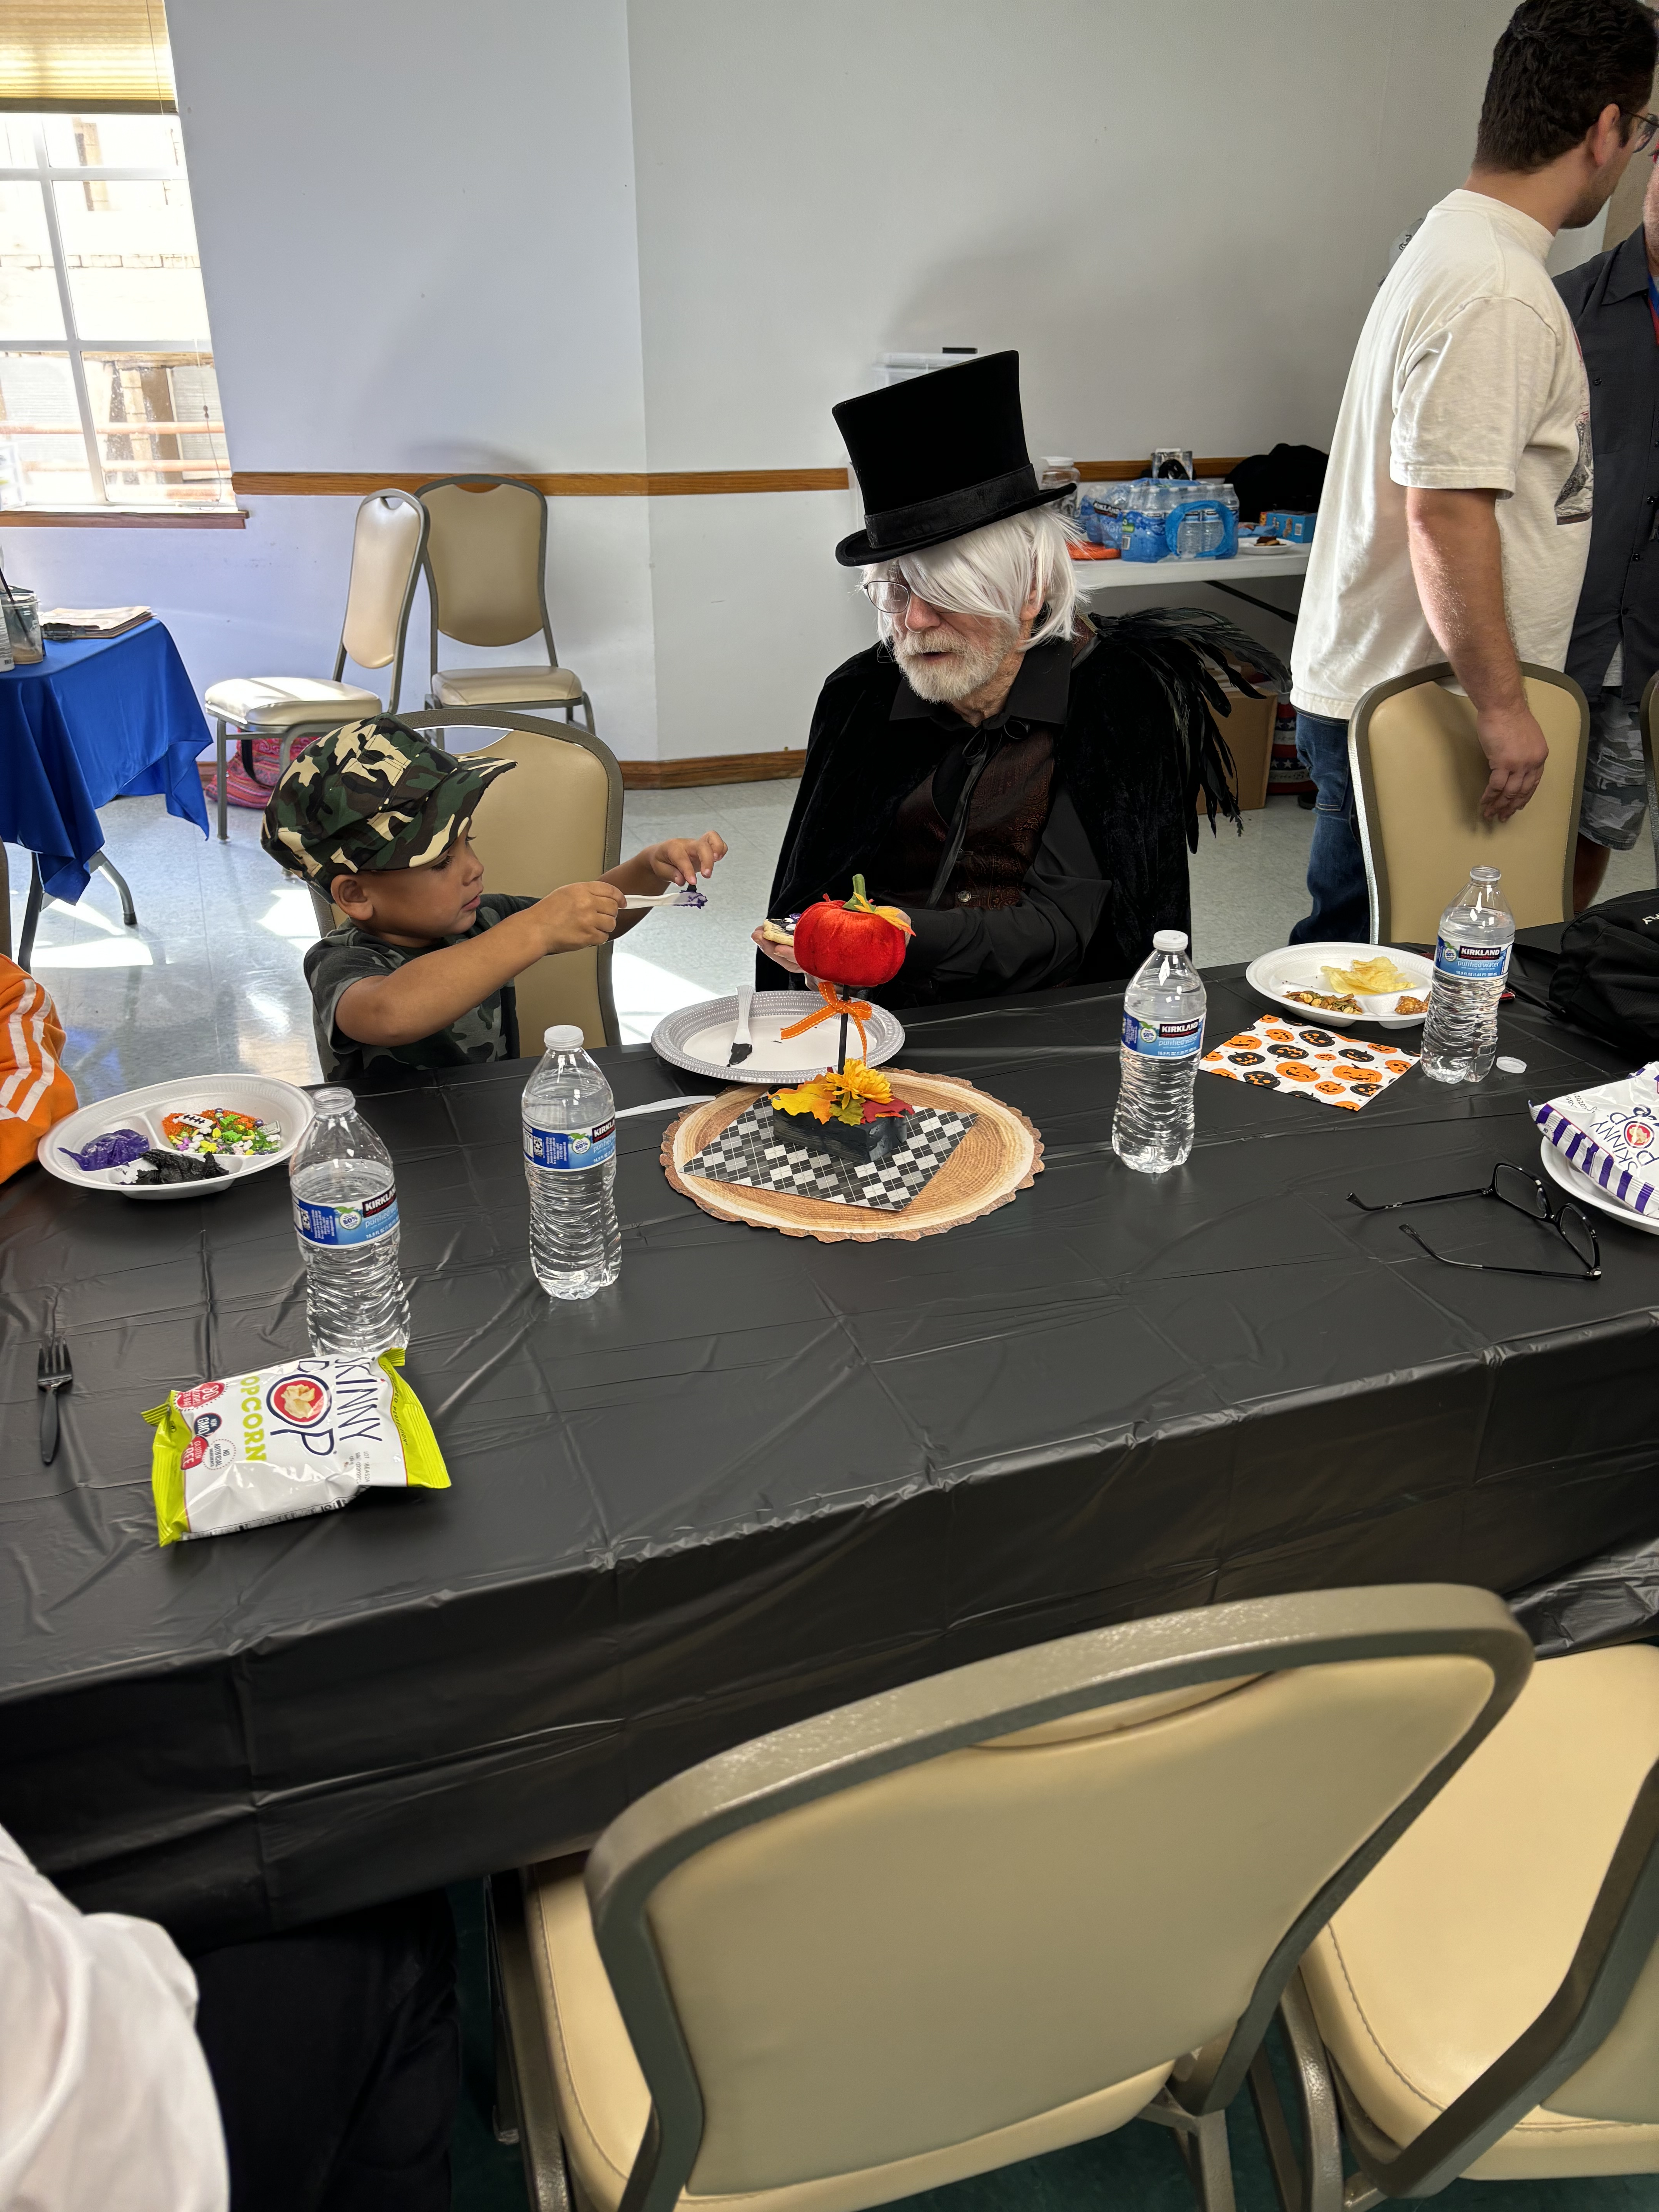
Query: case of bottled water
x=1471 y=965
x=1204 y=526
x=345 y=1215
x=570 y=1165
x=1163 y=1037
x=1148 y=504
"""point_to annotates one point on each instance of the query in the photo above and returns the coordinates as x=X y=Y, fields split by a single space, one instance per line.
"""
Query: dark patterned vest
x=1006 y=817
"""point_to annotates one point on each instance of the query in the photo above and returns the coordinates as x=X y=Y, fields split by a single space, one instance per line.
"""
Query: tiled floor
x=211 y=980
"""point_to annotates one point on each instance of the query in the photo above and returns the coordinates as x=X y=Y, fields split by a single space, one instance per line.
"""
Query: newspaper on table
x=1611 y=1134
x=63 y=624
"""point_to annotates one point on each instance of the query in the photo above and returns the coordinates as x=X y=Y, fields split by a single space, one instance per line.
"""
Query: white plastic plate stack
x=699 y=1038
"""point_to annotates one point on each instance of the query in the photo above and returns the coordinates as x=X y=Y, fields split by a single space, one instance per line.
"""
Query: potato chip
x=1368 y=977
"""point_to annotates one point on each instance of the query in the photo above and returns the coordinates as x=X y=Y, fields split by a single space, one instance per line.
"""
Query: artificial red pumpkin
x=851 y=941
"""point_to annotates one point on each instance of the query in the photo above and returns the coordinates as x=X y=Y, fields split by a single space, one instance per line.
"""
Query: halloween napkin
x=1336 y=1069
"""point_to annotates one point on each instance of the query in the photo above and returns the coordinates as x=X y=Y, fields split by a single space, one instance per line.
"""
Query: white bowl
x=1296 y=968
x=283 y=1105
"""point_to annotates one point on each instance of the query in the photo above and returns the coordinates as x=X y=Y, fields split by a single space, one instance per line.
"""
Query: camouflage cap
x=369 y=796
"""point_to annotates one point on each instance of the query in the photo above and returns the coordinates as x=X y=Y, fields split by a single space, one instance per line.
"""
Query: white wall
x=1178 y=212
x=613 y=234
x=416 y=224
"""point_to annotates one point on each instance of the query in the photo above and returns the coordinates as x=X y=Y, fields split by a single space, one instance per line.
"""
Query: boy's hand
x=578 y=915
x=683 y=860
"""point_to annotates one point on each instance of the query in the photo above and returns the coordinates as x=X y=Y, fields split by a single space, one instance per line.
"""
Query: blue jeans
x=1336 y=864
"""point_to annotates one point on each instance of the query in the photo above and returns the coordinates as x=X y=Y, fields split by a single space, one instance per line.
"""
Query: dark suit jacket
x=1608 y=300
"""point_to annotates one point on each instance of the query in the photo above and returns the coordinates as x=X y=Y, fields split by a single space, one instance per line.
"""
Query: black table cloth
x=764 y=1475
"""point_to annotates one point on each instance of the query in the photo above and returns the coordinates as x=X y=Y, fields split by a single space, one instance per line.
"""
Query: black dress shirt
x=966 y=945
x=1608 y=300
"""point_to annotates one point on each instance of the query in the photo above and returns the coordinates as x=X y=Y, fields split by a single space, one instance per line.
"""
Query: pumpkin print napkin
x=1336 y=1069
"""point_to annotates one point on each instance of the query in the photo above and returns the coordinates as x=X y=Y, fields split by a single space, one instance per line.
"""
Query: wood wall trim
x=710 y=768
x=652 y=484
x=81 y=518
x=1204 y=465
x=615 y=484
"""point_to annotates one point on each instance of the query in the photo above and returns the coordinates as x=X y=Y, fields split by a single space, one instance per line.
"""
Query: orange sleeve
x=35 y=1091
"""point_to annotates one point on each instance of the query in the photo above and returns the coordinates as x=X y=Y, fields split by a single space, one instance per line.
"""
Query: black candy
x=178 y=1167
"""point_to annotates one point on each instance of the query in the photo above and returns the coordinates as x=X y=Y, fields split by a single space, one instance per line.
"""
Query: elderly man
x=1022 y=778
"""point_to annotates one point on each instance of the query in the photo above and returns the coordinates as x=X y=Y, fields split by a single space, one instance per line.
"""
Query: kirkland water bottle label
x=334 y=1225
x=1486 y=963
x=572 y=1148
x=1162 y=1040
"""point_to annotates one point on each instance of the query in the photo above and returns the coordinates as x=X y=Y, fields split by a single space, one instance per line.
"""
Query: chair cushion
x=1460 y=1937
x=604 y=2101
x=276 y=703
x=503 y=687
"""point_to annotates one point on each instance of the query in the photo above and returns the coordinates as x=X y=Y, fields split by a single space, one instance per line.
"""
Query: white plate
x=699 y=1037
x=1579 y=1185
x=1296 y=968
x=265 y=1096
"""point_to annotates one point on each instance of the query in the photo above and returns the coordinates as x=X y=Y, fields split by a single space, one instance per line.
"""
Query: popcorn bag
x=1612 y=1135
x=303 y=1438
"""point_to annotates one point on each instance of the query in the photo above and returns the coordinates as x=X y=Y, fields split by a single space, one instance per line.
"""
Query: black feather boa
x=1138 y=753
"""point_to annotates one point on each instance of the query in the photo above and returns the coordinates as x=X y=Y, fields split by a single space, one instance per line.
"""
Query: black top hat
x=938 y=455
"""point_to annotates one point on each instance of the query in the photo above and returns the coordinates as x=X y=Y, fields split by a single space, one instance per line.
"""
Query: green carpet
x=1136 y=2170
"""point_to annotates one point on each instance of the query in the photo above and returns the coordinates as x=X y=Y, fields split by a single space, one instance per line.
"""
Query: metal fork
x=52 y=1373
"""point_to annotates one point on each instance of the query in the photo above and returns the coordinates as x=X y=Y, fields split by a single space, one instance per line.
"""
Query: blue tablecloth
x=100 y=718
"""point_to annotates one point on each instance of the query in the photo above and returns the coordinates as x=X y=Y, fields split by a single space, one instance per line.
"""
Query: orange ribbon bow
x=858 y=1011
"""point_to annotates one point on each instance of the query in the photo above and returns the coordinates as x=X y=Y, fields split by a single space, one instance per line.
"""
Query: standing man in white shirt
x=1454 y=524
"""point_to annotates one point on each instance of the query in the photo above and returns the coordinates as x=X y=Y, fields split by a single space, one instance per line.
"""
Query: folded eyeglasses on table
x=1524 y=1194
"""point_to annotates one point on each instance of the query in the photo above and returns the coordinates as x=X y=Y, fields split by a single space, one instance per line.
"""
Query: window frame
x=48 y=175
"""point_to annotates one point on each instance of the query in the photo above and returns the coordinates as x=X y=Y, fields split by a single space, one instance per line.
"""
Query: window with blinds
x=107 y=393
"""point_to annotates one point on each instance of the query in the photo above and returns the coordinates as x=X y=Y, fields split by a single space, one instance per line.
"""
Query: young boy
x=378 y=819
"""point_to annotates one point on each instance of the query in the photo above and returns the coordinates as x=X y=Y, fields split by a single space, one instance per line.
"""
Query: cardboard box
x=1294 y=529
x=1249 y=731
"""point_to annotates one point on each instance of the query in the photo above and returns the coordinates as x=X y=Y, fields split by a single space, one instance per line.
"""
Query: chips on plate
x=1368 y=978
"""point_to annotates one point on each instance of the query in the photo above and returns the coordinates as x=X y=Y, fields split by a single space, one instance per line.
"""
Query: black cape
x=1137 y=751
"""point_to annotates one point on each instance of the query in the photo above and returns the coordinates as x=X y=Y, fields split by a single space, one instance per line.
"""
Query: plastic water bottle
x=1147 y=507
x=1471 y=963
x=1163 y=1037
x=570 y=1165
x=345 y=1214
x=1101 y=513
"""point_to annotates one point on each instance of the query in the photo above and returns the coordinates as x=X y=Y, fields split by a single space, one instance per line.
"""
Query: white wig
x=994 y=571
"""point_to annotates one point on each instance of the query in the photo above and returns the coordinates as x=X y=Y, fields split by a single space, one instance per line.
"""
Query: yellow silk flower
x=837 y=1096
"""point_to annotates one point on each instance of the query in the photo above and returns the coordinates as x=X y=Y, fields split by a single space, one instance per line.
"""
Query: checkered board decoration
x=748 y=1152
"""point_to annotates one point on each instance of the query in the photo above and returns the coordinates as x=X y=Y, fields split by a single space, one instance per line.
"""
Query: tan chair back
x=556 y=820
x=984 y=1898
x=1620 y=2080
x=486 y=557
x=386 y=546
x=1419 y=774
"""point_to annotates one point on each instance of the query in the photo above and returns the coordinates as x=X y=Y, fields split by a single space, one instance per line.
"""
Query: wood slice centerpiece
x=999 y=1156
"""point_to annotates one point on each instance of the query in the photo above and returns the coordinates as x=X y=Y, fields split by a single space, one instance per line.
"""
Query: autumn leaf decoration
x=855 y=1095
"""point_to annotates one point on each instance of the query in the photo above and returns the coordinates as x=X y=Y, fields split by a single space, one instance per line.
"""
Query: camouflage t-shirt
x=347 y=955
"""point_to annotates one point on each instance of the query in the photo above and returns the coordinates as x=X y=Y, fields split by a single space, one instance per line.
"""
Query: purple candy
x=111 y=1150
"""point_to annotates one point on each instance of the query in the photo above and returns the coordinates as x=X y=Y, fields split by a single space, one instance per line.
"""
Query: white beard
x=944 y=677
